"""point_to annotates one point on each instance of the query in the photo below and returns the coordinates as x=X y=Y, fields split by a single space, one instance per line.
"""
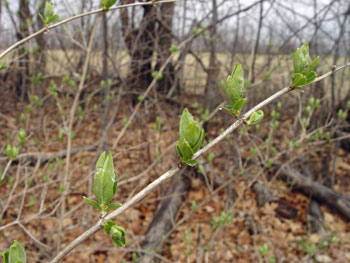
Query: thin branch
x=66 y=176
x=149 y=188
x=101 y=10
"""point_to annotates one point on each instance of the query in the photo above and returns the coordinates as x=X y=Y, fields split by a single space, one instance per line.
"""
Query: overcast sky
x=280 y=16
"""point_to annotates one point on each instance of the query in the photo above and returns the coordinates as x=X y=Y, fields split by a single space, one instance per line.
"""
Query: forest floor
x=247 y=233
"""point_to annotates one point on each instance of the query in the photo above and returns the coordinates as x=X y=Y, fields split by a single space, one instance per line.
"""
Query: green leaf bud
x=21 y=136
x=16 y=253
x=106 y=4
x=256 y=117
x=191 y=136
x=317 y=103
x=308 y=110
x=8 y=151
x=303 y=73
x=105 y=183
x=2 y=65
x=234 y=88
x=279 y=105
x=174 y=48
x=108 y=226
x=117 y=234
x=5 y=256
x=311 y=102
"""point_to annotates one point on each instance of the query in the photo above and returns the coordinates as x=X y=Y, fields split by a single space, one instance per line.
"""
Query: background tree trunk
x=140 y=44
x=24 y=18
x=211 y=92
x=164 y=43
x=41 y=42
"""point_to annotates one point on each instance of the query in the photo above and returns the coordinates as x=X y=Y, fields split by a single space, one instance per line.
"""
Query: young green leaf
x=237 y=107
x=100 y=162
x=105 y=183
x=256 y=117
x=2 y=65
x=301 y=58
x=235 y=84
x=157 y=75
x=311 y=66
x=109 y=168
x=106 y=4
x=21 y=136
x=5 y=256
x=49 y=15
x=299 y=79
x=16 y=253
x=48 y=12
x=108 y=225
x=92 y=203
x=303 y=67
x=191 y=136
x=118 y=235
x=113 y=206
x=15 y=152
x=102 y=188
x=174 y=48
x=2 y=177
x=184 y=149
x=234 y=88
x=8 y=151
x=186 y=119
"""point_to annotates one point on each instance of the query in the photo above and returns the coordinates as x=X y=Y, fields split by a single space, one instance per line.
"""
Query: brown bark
x=164 y=43
x=41 y=59
x=24 y=17
x=315 y=217
x=140 y=43
x=211 y=92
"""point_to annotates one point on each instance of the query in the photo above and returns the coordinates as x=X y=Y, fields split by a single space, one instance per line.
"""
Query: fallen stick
x=32 y=158
x=323 y=194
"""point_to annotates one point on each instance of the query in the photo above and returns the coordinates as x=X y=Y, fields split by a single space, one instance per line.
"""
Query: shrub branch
x=149 y=188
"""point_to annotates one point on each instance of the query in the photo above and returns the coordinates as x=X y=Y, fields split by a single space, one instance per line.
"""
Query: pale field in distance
x=194 y=78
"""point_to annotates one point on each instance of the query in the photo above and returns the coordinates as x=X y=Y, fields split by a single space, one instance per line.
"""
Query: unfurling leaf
x=16 y=253
x=117 y=234
x=234 y=88
x=174 y=48
x=21 y=136
x=157 y=75
x=301 y=58
x=49 y=15
x=113 y=206
x=191 y=136
x=106 y=4
x=108 y=225
x=48 y=12
x=2 y=65
x=5 y=256
x=105 y=183
x=303 y=67
x=256 y=117
x=92 y=203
